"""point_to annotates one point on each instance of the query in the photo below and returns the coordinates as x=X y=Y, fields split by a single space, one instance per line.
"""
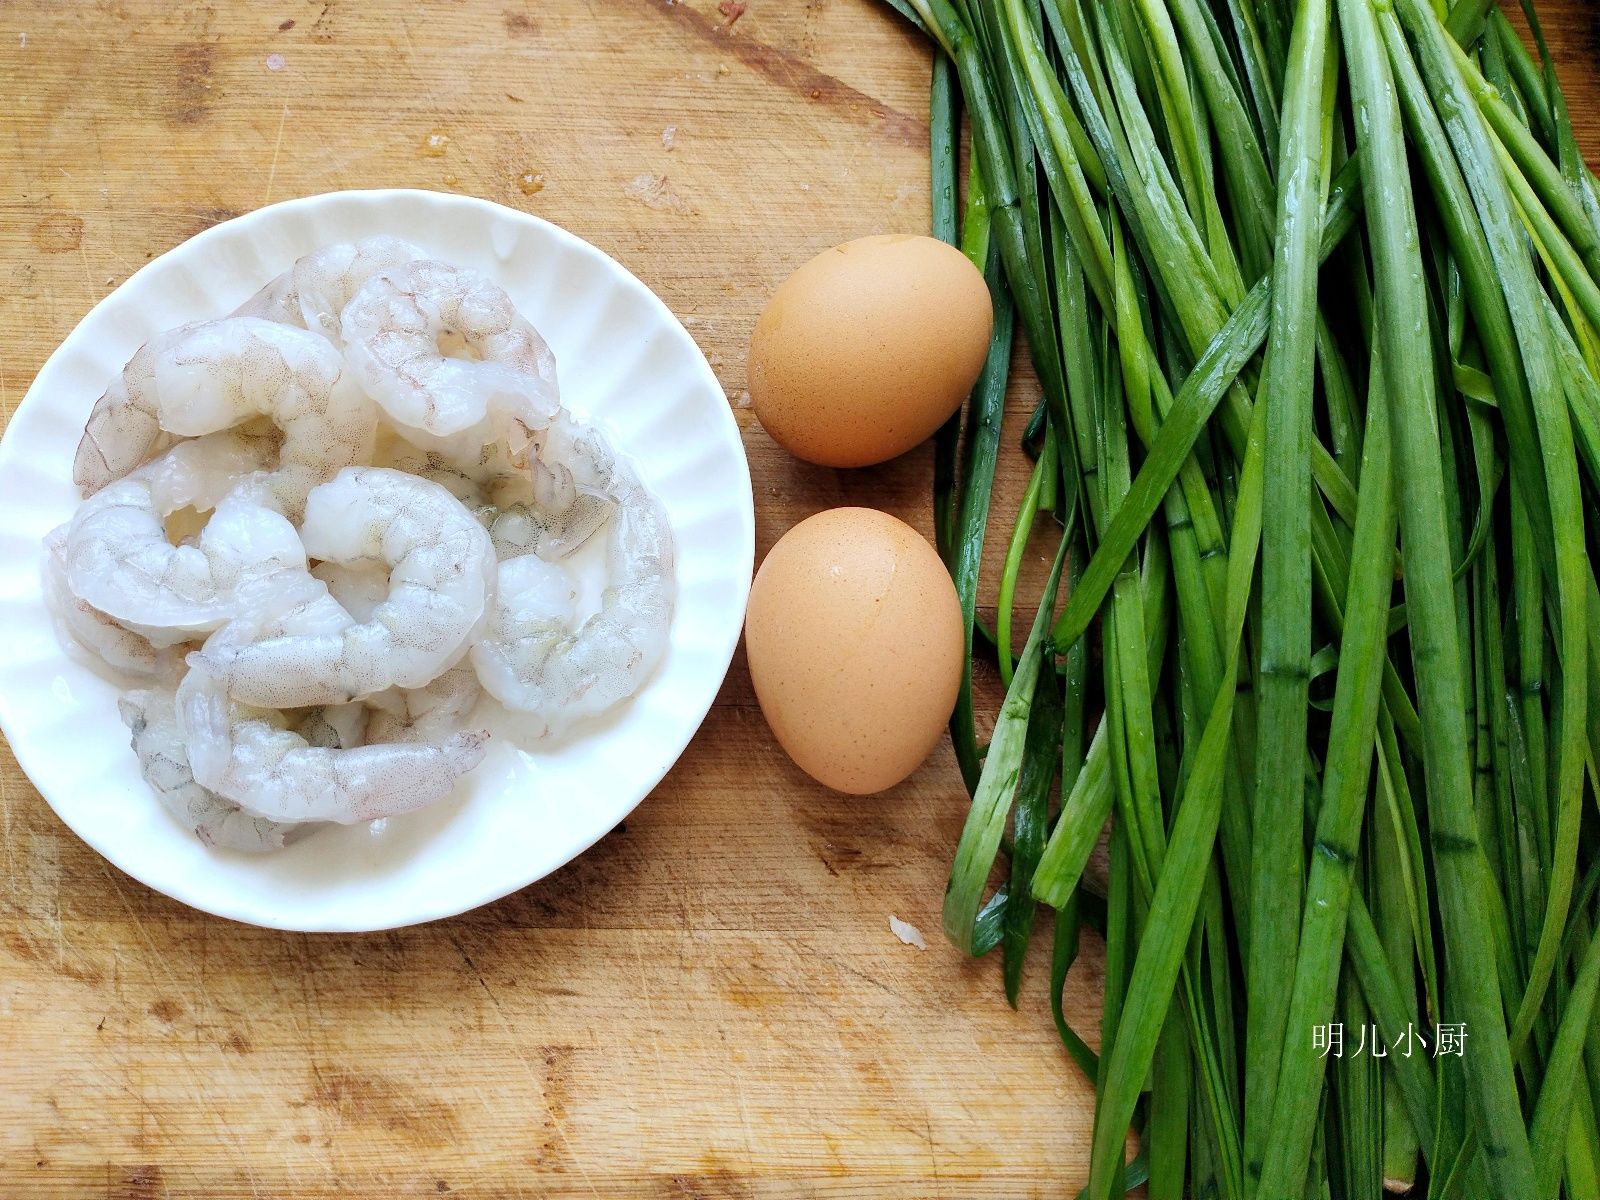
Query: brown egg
x=868 y=348
x=854 y=641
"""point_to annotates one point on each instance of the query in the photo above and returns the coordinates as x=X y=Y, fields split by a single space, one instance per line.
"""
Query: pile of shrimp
x=324 y=536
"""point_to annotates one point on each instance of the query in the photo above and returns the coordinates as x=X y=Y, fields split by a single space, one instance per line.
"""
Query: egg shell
x=854 y=641
x=868 y=348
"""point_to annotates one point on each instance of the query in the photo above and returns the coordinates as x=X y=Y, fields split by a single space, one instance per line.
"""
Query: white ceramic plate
x=623 y=359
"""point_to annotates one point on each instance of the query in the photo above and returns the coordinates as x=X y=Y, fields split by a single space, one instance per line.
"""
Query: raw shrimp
x=118 y=647
x=120 y=562
x=223 y=373
x=304 y=605
x=123 y=429
x=533 y=660
x=426 y=714
x=313 y=293
x=470 y=481
x=549 y=504
x=520 y=529
x=429 y=712
x=565 y=494
x=334 y=726
x=215 y=375
x=441 y=569
x=246 y=755
x=358 y=587
x=157 y=741
x=445 y=353
x=399 y=714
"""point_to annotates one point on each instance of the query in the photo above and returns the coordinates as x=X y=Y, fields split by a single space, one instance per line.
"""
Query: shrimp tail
x=246 y=756
x=157 y=743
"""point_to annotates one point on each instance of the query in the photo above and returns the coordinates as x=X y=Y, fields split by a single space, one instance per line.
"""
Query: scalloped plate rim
x=106 y=309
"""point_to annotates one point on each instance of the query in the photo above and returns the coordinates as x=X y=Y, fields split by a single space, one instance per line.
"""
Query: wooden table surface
x=710 y=1002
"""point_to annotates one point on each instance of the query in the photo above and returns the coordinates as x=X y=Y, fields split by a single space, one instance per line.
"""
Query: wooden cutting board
x=709 y=1003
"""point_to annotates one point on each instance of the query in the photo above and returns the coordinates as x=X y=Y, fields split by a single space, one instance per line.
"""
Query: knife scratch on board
x=272 y=172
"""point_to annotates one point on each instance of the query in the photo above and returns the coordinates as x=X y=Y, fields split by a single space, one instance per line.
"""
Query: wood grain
x=710 y=1002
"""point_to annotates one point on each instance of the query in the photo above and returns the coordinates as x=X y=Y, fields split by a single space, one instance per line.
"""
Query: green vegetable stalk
x=1312 y=294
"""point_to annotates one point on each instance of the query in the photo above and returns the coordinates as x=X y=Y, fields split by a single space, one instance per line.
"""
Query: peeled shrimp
x=429 y=713
x=120 y=562
x=118 y=647
x=353 y=616
x=215 y=375
x=445 y=353
x=123 y=429
x=548 y=505
x=334 y=726
x=531 y=657
x=470 y=481
x=426 y=714
x=313 y=293
x=440 y=566
x=247 y=755
x=520 y=529
x=223 y=373
x=358 y=587
x=569 y=493
x=157 y=741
